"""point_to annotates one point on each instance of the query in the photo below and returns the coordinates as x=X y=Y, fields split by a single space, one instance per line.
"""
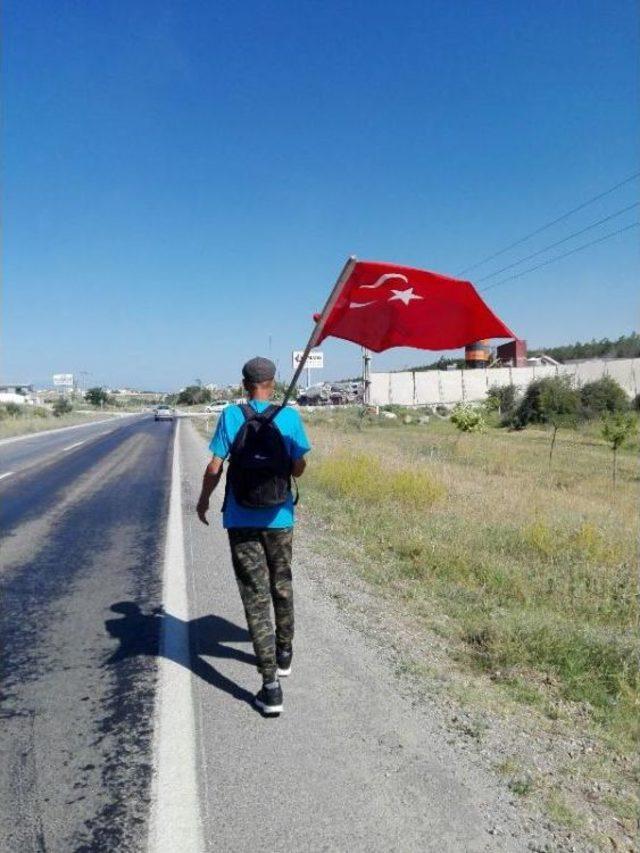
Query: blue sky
x=183 y=179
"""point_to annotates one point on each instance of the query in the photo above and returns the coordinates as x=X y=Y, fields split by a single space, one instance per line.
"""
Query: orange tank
x=478 y=354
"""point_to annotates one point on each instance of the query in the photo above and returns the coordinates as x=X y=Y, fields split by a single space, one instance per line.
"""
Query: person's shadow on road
x=159 y=634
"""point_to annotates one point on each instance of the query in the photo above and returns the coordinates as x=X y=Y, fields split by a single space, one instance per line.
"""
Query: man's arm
x=212 y=474
x=300 y=446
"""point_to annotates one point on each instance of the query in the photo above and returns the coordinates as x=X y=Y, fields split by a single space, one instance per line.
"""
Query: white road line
x=175 y=806
x=71 y=446
x=7 y=474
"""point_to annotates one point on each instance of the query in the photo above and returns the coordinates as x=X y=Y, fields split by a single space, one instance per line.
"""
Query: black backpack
x=259 y=463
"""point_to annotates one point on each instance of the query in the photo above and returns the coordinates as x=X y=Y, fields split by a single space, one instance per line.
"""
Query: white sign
x=63 y=380
x=315 y=360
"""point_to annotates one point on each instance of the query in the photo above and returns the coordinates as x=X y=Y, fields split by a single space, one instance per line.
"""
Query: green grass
x=364 y=479
x=526 y=577
x=535 y=571
x=561 y=812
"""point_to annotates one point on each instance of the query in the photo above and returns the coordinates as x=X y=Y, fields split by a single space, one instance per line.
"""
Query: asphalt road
x=127 y=672
x=17 y=455
x=83 y=536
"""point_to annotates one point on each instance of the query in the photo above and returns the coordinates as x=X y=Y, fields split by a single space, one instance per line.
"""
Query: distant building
x=513 y=353
x=23 y=394
x=539 y=361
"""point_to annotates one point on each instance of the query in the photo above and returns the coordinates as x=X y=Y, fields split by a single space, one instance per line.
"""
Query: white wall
x=8 y=397
x=431 y=387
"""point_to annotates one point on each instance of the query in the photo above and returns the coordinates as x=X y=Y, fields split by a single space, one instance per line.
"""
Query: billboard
x=315 y=361
x=63 y=380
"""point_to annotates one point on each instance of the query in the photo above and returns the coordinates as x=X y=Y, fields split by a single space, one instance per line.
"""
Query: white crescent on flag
x=378 y=283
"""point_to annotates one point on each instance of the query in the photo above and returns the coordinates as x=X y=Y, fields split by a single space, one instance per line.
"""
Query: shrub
x=603 y=395
x=96 y=396
x=635 y=403
x=501 y=399
x=40 y=412
x=194 y=395
x=467 y=419
x=14 y=409
x=548 y=401
x=61 y=406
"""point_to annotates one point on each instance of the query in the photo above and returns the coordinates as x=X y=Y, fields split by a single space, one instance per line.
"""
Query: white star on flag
x=404 y=295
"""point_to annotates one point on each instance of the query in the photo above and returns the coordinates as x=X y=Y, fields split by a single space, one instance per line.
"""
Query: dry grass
x=523 y=580
x=28 y=423
x=535 y=571
x=358 y=477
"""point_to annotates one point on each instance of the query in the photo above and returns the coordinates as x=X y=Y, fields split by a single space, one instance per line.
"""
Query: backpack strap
x=248 y=411
x=270 y=412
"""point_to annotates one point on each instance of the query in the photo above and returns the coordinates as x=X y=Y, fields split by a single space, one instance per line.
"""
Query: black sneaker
x=269 y=699
x=283 y=658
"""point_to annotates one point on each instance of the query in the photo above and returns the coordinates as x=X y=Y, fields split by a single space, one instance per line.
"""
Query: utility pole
x=83 y=381
x=366 y=375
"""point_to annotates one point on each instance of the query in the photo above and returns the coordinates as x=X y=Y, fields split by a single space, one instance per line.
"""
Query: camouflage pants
x=262 y=564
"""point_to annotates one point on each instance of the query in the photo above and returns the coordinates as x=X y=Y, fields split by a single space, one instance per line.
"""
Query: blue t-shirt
x=290 y=425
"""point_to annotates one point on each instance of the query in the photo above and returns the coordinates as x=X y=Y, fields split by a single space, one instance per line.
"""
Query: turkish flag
x=383 y=305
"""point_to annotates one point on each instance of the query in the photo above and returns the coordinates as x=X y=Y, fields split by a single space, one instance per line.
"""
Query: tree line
x=626 y=346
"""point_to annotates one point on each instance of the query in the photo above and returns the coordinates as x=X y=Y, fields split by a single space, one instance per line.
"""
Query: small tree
x=96 y=396
x=193 y=395
x=560 y=404
x=617 y=428
x=501 y=399
x=467 y=419
x=603 y=395
x=553 y=401
x=279 y=390
x=61 y=406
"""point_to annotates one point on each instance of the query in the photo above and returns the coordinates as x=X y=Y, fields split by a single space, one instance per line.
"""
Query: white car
x=164 y=413
x=216 y=407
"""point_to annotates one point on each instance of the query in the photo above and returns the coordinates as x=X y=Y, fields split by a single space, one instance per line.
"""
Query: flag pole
x=331 y=301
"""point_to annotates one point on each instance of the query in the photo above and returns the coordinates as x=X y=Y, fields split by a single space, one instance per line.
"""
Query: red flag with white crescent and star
x=383 y=305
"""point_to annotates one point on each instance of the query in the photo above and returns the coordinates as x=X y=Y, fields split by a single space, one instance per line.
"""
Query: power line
x=560 y=242
x=564 y=255
x=549 y=224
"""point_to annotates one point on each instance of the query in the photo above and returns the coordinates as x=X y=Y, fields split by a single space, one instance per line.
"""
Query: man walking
x=265 y=445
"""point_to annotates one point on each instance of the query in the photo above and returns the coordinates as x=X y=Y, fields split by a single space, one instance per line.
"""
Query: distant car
x=164 y=413
x=216 y=407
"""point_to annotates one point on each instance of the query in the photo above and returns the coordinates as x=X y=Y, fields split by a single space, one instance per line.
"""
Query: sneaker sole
x=268 y=709
x=284 y=672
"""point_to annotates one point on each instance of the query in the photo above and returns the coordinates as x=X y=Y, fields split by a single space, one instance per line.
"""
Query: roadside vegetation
x=498 y=530
x=22 y=420
x=524 y=561
x=200 y=396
